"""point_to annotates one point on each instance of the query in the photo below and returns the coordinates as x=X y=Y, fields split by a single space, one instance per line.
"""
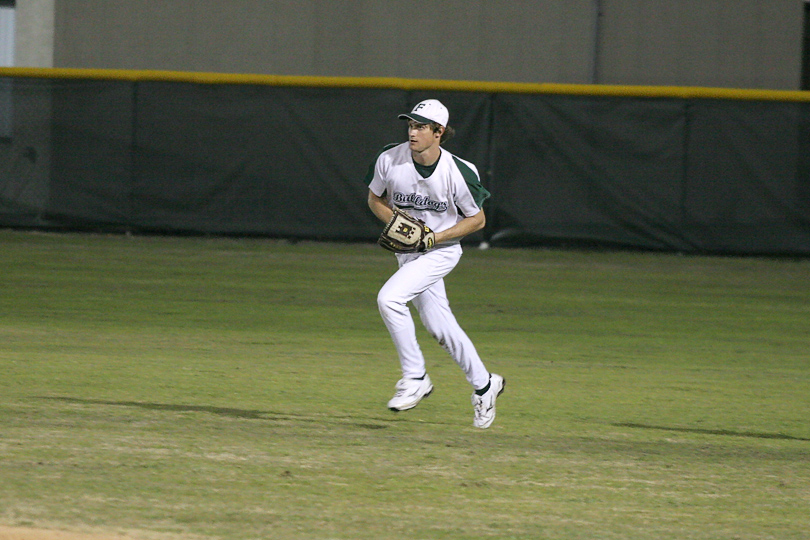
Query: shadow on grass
x=249 y=414
x=726 y=432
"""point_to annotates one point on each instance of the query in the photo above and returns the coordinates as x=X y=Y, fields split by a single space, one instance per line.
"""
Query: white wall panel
x=6 y=36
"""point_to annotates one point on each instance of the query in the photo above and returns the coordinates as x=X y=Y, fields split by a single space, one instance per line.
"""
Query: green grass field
x=236 y=389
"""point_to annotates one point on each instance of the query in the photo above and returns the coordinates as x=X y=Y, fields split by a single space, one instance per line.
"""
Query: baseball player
x=445 y=192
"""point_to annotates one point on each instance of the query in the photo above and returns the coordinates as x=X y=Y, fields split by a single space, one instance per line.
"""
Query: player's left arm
x=472 y=195
x=466 y=226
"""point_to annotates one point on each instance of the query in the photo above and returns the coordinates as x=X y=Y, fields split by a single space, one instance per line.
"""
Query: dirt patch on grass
x=26 y=533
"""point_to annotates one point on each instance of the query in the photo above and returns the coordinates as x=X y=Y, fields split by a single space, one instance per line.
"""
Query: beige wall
x=453 y=39
x=740 y=43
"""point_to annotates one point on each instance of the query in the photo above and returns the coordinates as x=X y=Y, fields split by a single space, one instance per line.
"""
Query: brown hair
x=448 y=132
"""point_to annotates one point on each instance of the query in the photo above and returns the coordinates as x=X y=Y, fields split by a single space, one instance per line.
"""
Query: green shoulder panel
x=479 y=192
x=370 y=173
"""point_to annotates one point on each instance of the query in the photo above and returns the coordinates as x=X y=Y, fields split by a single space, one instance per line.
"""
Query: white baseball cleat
x=484 y=406
x=409 y=393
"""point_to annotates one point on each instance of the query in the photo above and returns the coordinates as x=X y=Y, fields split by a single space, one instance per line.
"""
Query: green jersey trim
x=479 y=192
x=370 y=173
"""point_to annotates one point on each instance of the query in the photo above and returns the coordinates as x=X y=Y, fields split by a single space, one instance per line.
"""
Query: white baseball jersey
x=441 y=195
x=450 y=192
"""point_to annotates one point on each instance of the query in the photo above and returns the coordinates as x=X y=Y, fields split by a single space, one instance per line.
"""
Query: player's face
x=421 y=136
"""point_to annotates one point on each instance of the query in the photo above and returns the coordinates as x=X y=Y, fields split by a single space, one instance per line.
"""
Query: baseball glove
x=406 y=234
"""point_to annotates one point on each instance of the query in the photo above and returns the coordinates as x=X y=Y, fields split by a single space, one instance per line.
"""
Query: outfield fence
x=703 y=170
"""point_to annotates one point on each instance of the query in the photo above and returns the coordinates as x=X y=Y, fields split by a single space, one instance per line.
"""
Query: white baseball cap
x=430 y=110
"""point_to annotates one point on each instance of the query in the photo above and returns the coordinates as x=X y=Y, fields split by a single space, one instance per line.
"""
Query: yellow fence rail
x=683 y=92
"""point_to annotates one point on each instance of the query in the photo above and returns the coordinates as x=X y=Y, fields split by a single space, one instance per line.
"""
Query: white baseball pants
x=420 y=280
